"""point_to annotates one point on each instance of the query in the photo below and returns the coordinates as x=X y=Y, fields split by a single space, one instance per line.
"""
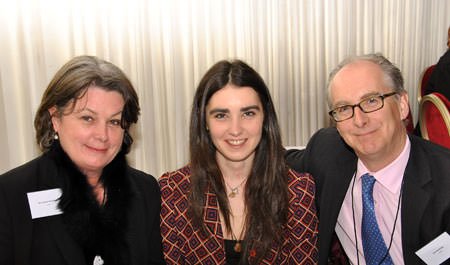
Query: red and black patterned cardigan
x=183 y=244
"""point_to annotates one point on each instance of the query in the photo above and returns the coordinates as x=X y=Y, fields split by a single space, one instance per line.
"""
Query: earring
x=55 y=136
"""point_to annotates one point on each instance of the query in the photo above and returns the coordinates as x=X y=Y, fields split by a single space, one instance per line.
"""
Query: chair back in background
x=434 y=118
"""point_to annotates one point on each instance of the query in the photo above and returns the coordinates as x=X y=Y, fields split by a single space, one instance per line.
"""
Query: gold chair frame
x=440 y=105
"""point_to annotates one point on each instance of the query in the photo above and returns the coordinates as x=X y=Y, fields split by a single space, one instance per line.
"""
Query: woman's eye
x=115 y=122
x=87 y=118
x=220 y=116
x=249 y=113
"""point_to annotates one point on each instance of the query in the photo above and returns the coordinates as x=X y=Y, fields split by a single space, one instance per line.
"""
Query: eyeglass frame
x=382 y=97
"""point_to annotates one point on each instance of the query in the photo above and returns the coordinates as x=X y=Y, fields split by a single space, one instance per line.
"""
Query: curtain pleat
x=166 y=46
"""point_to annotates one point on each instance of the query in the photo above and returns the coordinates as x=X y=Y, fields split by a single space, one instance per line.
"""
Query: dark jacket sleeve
x=156 y=253
x=148 y=187
x=440 y=77
x=6 y=237
x=294 y=158
x=15 y=216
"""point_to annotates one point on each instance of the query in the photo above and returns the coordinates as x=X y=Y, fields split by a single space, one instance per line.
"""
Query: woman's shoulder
x=177 y=176
x=178 y=180
x=24 y=172
x=301 y=181
x=295 y=175
x=141 y=176
x=143 y=182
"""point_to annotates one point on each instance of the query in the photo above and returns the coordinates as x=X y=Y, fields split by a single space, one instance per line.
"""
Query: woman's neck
x=234 y=172
x=97 y=187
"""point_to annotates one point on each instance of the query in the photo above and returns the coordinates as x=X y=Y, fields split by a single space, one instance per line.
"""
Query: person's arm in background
x=440 y=77
x=317 y=156
x=294 y=158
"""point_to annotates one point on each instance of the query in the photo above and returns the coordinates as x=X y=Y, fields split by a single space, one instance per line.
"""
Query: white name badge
x=437 y=251
x=44 y=203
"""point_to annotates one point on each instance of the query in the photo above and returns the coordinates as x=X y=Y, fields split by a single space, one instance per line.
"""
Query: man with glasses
x=385 y=194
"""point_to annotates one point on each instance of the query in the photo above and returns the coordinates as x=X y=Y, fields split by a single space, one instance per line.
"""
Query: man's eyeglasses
x=367 y=105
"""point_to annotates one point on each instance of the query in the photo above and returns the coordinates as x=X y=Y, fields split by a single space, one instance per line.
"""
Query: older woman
x=80 y=202
x=237 y=202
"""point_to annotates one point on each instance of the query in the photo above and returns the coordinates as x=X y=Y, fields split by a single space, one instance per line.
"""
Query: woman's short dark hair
x=266 y=208
x=71 y=82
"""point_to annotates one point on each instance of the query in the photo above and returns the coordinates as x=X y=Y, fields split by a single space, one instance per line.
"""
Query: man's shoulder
x=328 y=139
x=429 y=157
x=420 y=145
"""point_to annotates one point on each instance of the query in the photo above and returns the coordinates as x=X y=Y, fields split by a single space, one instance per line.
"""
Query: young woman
x=237 y=202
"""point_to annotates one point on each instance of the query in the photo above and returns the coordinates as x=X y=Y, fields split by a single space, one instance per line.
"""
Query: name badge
x=44 y=203
x=437 y=251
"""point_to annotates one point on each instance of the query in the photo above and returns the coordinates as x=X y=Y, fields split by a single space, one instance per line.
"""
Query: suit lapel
x=339 y=176
x=415 y=197
x=214 y=243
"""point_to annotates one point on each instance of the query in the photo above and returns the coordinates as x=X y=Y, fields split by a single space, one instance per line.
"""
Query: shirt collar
x=391 y=176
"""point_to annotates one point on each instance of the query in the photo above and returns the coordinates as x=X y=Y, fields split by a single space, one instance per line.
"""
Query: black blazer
x=24 y=241
x=440 y=77
x=426 y=194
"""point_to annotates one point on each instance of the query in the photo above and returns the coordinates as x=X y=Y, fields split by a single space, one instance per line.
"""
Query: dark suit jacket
x=440 y=77
x=24 y=241
x=425 y=200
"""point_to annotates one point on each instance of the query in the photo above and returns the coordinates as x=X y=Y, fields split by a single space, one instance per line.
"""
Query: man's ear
x=404 y=105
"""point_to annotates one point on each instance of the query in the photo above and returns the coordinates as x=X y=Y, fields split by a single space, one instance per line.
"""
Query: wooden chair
x=434 y=118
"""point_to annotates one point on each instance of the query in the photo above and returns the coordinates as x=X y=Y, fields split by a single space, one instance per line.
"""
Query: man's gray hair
x=392 y=75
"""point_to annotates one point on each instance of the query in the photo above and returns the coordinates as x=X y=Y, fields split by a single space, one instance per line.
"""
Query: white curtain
x=166 y=46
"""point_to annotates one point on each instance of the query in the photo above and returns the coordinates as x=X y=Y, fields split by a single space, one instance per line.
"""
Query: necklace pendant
x=238 y=247
x=233 y=192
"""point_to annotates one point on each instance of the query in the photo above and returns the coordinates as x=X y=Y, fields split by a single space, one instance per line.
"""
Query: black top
x=232 y=257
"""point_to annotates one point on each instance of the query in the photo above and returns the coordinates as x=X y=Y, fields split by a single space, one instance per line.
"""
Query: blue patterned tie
x=372 y=240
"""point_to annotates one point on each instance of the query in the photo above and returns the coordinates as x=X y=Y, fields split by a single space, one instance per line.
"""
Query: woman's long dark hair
x=266 y=194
